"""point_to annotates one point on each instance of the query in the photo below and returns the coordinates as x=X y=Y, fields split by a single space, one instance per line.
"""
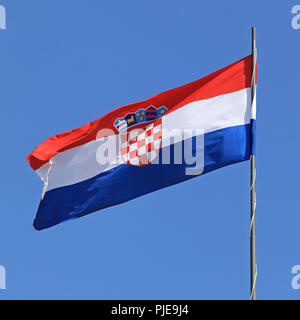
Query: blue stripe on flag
x=221 y=148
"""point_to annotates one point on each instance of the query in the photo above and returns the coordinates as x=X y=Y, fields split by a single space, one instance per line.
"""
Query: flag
x=148 y=145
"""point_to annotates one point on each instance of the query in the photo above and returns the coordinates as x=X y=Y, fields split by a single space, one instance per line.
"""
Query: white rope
x=253 y=83
x=254 y=196
x=253 y=78
x=252 y=190
x=254 y=284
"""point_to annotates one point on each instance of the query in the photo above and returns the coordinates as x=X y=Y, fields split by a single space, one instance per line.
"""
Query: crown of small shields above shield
x=140 y=116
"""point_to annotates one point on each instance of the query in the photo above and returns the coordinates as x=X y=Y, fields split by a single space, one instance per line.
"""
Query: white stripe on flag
x=80 y=163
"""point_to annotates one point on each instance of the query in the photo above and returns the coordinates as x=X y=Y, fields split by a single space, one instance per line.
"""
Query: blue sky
x=66 y=63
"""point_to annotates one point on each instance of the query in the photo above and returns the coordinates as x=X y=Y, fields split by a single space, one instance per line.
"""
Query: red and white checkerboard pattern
x=141 y=146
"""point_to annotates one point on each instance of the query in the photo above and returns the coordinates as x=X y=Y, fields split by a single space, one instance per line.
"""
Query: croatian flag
x=145 y=146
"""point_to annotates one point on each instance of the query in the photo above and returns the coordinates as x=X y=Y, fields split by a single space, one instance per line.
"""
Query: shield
x=140 y=147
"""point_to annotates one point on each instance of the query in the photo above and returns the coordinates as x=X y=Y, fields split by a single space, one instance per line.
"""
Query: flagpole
x=253 y=267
